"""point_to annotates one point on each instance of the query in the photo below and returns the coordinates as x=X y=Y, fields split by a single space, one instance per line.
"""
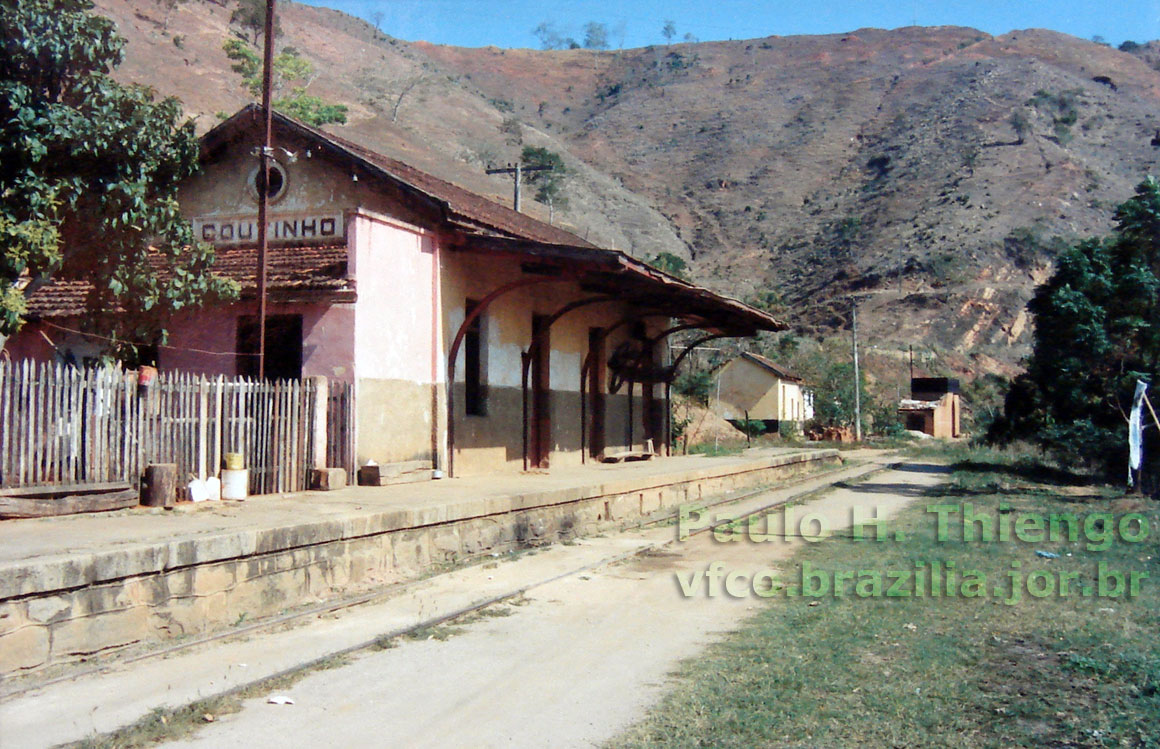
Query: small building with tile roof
x=477 y=338
x=754 y=388
x=934 y=407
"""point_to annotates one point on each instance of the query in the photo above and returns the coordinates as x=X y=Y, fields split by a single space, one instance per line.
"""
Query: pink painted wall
x=396 y=337
x=206 y=341
x=28 y=343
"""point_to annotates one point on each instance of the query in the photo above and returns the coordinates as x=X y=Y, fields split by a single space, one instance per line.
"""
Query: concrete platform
x=77 y=586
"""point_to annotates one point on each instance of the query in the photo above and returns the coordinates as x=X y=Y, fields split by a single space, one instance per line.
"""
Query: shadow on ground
x=901 y=489
x=923 y=468
x=1028 y=470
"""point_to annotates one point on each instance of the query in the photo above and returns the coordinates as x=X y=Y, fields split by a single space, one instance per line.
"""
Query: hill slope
x=810 y=167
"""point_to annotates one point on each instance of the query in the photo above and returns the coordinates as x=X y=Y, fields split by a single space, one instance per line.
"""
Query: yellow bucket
x=234 y=462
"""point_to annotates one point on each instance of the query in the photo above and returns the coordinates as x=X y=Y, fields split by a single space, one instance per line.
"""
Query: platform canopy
x=618 y=274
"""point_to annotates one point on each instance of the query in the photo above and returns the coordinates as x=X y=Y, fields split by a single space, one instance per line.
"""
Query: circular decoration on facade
x=278 y=182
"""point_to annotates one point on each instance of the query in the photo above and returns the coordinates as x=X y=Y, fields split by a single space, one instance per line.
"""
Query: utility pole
x=857 y=379
x=900 y=269
x=264 y=183
x=518 y=170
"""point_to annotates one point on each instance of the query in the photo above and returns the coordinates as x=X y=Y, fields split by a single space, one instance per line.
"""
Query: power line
x=98 y=337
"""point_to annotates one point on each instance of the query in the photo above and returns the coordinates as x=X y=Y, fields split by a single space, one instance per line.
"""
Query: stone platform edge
x=68 y=572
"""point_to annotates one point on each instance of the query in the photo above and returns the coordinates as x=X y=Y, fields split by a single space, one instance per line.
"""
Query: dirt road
x=573 y=666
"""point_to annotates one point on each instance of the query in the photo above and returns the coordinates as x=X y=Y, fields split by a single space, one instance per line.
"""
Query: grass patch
x=163 y=725
x=456 y=626
x=925 y=671
x=435 y=632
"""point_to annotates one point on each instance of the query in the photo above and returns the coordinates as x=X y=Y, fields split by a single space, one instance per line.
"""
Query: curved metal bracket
x=526 y=358
x=453 y=352
x=586 y=367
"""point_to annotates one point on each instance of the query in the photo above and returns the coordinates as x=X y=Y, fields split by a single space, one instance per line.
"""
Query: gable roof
x=770 y=366
x=458 y=206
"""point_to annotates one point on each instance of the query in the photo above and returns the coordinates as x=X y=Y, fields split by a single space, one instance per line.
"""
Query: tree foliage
x=88 y=176
x=1021 y=124
x=768 y=300
x=1097 y=331
x=669 y=263
x=549 y=184
x=250 y=18
x=669 y=30
x=551 y=38
x=696 y=385
x=595 y=35
x=832 y=381
x=289 y=67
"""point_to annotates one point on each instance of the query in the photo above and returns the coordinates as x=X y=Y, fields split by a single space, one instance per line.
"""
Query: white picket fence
x=62 y=425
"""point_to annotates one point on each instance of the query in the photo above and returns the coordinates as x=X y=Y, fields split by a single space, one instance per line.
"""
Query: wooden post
x=321 y=399
x=202 y=428
x=857 y=378
x=160 y=486
x=219 y=413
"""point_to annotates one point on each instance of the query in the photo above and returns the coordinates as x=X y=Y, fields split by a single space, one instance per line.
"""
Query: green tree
x=669 y=31
x=696 y=385
x=1020 y=124
x=767 y=300
x=669 y=263
x=289 y=67
x=550 y=184
x=833 y=385
x=983 y=403
x=828 y=370
x=595 y=35
x=250 y=18
x=89 y=170
x=548 y=36
x=1097 y=330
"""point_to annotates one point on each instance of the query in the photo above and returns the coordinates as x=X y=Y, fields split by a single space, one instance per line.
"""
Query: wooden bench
x=627 y=456
x=66 y=499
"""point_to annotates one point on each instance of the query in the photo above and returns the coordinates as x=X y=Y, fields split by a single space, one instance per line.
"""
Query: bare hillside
x=800 y=170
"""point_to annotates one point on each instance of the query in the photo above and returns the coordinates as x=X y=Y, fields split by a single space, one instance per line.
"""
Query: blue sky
x=636 y=23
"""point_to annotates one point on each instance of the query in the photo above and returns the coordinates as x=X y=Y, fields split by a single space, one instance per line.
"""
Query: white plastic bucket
x=235 y=483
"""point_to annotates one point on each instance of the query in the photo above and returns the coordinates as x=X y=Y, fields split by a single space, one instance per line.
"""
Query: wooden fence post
x=202 y=428
x=321 y=399
x=322 y=476
x=74 y=426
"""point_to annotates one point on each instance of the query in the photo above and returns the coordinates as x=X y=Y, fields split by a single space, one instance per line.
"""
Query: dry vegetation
x=811 y=167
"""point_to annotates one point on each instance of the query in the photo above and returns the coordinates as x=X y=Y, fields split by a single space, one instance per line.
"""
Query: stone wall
x=63 y=610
